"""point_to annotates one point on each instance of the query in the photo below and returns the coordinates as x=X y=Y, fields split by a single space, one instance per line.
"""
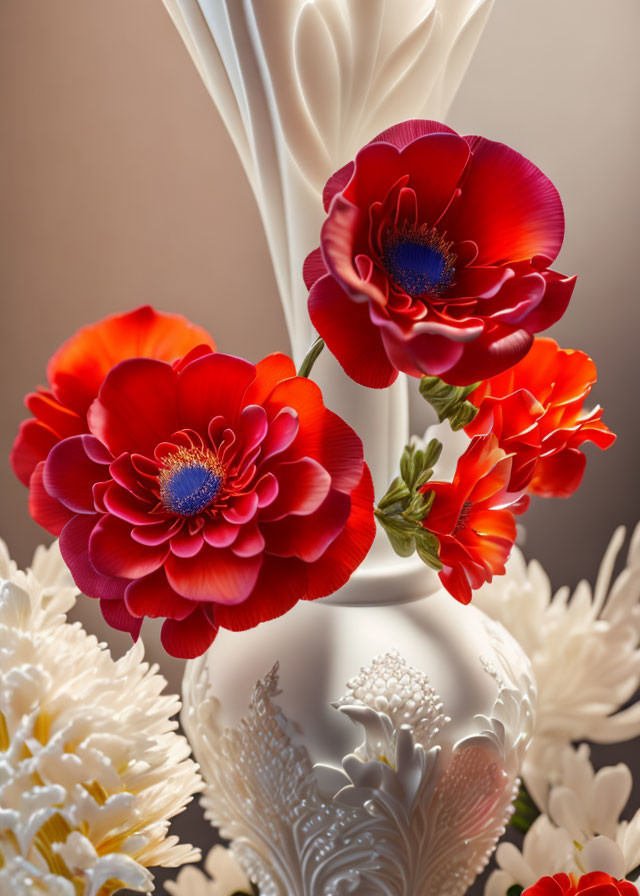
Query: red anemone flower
x=536 y=410
x=75 y=374
x=434 y=258
x=213 y=493
x=473 y=518
x=597 y=883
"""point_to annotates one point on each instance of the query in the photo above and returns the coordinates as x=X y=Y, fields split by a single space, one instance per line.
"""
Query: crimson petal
x=215 y=575
x=153 y=596
x=74 y=547
x=136 y=407
x=114 y=552
x=337 y=318
x=190 y=637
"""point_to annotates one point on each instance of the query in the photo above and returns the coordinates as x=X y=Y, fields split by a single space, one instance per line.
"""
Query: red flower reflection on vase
x=213 y=493
x=473 y=518
x=597 y=883
x=75 y=374
x=536 y=410
x=434 y=258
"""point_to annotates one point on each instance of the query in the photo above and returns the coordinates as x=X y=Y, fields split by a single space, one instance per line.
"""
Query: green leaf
x=449 y=402
x=525 y=812
x=403 y=509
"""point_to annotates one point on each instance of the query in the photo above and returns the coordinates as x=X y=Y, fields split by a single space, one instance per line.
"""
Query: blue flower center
x=419 y=261
x=190 y=480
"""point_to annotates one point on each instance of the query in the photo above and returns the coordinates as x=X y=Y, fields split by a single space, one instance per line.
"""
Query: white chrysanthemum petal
x=584 y=653
x=91 y=768
x=226 y=877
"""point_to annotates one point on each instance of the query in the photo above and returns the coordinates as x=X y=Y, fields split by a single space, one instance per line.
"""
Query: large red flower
x=434 y=257
x=536 y=410
x=473 y=518
x=75 y=374
x=597 y=883
x=213 y=493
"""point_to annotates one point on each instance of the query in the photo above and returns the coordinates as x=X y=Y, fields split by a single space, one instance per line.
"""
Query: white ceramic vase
x=302 y=85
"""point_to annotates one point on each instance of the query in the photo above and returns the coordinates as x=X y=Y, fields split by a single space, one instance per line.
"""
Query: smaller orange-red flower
x=75 y=374
x=473 y=518
x=595 y=884
x=536 y=410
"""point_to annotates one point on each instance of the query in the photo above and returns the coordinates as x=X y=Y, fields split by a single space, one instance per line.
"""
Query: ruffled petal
x=70 y=474
x=74 y=547
x=508 y=207
x=347 y=329
x=136 y=407
x=77 y=369
x=153 y=596
x=32 y=445
x=215 y=575
x=113 y=552
x=48 y=512
x=213 y=386
x=190 y=637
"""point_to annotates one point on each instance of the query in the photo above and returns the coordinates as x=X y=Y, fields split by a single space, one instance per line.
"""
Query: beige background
x=120 y=186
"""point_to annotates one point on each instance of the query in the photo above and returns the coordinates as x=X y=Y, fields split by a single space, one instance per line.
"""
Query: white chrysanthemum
x=226 y=877
x=584 y=653
x=582 y=831
x=91 y=769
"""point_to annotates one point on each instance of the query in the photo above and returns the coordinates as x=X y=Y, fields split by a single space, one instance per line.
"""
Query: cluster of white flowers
x=581 y=832
x=91 y=769
x=584 y=652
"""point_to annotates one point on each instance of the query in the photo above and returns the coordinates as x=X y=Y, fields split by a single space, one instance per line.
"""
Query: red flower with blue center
x=434 y=258
x=473 y=518
x=597 y=883
x=75 y=374
x=211 y=492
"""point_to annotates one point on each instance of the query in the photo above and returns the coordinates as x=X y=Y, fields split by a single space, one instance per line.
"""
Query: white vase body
x=302 y=85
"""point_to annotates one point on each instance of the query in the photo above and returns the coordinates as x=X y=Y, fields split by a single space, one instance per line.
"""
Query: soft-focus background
x=120 y=186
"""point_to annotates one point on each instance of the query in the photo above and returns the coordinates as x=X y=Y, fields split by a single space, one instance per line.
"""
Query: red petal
x=280 y=585
x=46 y=511
x=336 y=184
x=338 y=319
x=508 y=206
x=313 y=268
x=190 y=637
x=401 y=135
x=63 y=421
x=219 y=533
x=69 y=474
x=323 y=435
x=242 y=508
x=308 y=537
x=213 y=386
x=435 y=163
x=123 y=503
x=74 y=547
x=214 y=575
x=186 y=544
x=282 y=431
x=269 y=372
x=249 y=542
x=554 y=303
x=117 y=616
x=497 y=349
x=302 y=487
x=113 y=552
x=32 y=445
x=153 y=596
x=347 y=552
x=78 y=368
x=136 y=407
x=559 y=475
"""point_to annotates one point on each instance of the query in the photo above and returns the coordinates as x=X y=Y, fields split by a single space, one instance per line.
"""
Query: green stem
x=311 y=357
